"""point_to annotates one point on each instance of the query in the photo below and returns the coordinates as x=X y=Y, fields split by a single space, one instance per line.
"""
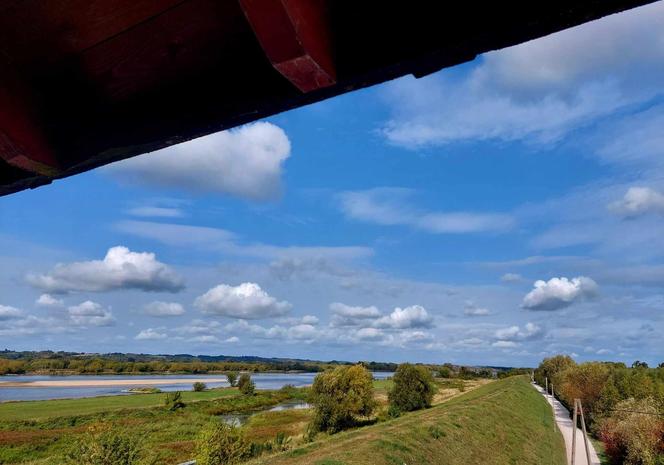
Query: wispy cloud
x=393 y=206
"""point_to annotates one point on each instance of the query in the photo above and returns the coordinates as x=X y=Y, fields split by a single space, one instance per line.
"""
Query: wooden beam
x=22 y=142
x=295 y=35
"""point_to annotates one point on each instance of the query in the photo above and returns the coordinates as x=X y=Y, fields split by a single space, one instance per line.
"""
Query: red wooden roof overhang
x=87 y=82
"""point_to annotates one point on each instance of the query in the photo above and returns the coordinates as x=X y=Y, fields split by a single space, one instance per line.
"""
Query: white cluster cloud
x=151 y=334
x=47 y=300
x=470 y=309
x=246 y=162
x=90 y=313
x=638 y=201
x=414 y=316
x=346 y=315
x=120 y=269
x=7 y=312
x=163 y=309
x=391 y=206
x=539 y=90
x=557 y=293
x=246 y=301
x=529 y=331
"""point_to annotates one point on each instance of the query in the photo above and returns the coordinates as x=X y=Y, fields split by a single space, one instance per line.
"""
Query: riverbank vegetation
x=624 y=406
x=44 y=432
x=72 y=363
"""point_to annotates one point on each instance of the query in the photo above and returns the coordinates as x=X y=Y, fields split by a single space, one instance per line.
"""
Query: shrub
x=634 y=434
x=105 y=446
x=248 y=388
x=173 y=401
x=199 y=387
x=413 y=388
x=246 y=385
x=341 y=395
x=231 y=376
x=393 y=411
x=221 y=444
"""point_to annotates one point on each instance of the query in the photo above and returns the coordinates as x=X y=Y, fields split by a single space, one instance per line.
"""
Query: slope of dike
x=504 y=422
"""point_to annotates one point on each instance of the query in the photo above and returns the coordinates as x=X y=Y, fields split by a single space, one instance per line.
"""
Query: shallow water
x=262 y=380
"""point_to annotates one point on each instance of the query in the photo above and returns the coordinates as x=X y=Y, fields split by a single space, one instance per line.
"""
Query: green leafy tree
x=173 y=401
x=221 y=444
x=340 y=396
x=413 y=388
x=199 y=387
x=231 y=376
x=444 y=372
x=587 y=382
x=552 y=368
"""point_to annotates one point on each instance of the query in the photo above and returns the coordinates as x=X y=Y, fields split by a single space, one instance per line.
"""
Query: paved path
x=564 y=423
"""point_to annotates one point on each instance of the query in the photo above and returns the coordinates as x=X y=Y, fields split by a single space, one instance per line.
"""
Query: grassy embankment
x=504 y=422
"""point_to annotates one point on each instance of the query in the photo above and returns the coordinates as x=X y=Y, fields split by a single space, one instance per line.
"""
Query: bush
x=173 y=401
x=393 y=411
x=221 y=444
x=248 y=388
x=102 y=446
x=231 y=376
x=634 y=434
x=199 y=387
x=246 y=385
x=413 y=388
x=341 y=395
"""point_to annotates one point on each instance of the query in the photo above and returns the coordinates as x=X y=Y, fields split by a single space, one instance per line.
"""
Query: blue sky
x=493 y=213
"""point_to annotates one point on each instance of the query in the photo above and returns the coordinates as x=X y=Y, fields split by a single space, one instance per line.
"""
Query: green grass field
x=40 y=432
x=504 y=422
x=45 y=409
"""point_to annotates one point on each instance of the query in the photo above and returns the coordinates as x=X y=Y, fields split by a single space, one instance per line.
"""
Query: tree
x=173 y=401
x=231 y=376
x=221 y=444
x=246 y=385
x=551 y=368
x=413 y=388
x=199 y=387
x=639 y=364
x=586 y=382
x=444 y=372
x=340 y=396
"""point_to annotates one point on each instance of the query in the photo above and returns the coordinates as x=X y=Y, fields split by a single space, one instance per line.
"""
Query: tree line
x=623 y=406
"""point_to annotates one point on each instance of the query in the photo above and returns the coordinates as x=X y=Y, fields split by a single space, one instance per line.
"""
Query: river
x=262 y=380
